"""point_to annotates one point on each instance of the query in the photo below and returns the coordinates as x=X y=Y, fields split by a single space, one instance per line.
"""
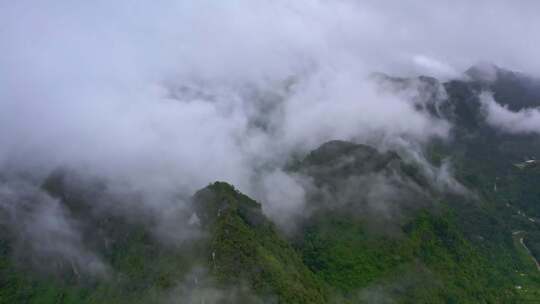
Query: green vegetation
x=431 y=252
x=419 y=245
x=142 y=271
x=334 y=259
x=245 y=247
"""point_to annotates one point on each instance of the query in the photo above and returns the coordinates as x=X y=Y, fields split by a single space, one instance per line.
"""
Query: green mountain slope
x=245 y=247
x=378 y=226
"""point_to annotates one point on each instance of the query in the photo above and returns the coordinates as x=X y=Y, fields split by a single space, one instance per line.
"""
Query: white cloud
x=523 y=121
x=431 y=66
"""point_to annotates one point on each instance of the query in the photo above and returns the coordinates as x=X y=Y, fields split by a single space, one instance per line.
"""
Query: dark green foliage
x=245 y=247
x=513 y=89
x=341 y=252
x=335 y=160
x=141 y=272
x=433 y=247
x=432 y=253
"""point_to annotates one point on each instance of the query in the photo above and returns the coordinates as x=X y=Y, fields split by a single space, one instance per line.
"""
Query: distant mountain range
x=379 y=226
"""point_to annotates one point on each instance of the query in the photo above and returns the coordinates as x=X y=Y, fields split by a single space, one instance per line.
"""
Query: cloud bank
x=163 y=97
x=523 y=121
x=173 y=95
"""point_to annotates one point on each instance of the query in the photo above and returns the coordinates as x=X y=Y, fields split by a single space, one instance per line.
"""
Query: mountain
x=513 y=89
x=245 y=246
x=379 y=226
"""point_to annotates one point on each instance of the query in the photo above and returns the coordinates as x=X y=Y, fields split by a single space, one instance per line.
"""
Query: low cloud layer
x=165 y=97
x=523 y=121
x=171 y=96
x=176 y=94
x=45 y=235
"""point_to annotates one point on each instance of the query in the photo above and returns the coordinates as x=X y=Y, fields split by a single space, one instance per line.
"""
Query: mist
x=46 y=237
x=172 y=90
x=161 y=98
x=523 y=121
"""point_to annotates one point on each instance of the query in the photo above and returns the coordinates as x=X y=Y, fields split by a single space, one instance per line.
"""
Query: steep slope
x=492 y=163
x=513 y=89
x=246 y=248
x=405 y=244
x=377 y=227
x=136 y=266
x=238 y=257
x=353 y=179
